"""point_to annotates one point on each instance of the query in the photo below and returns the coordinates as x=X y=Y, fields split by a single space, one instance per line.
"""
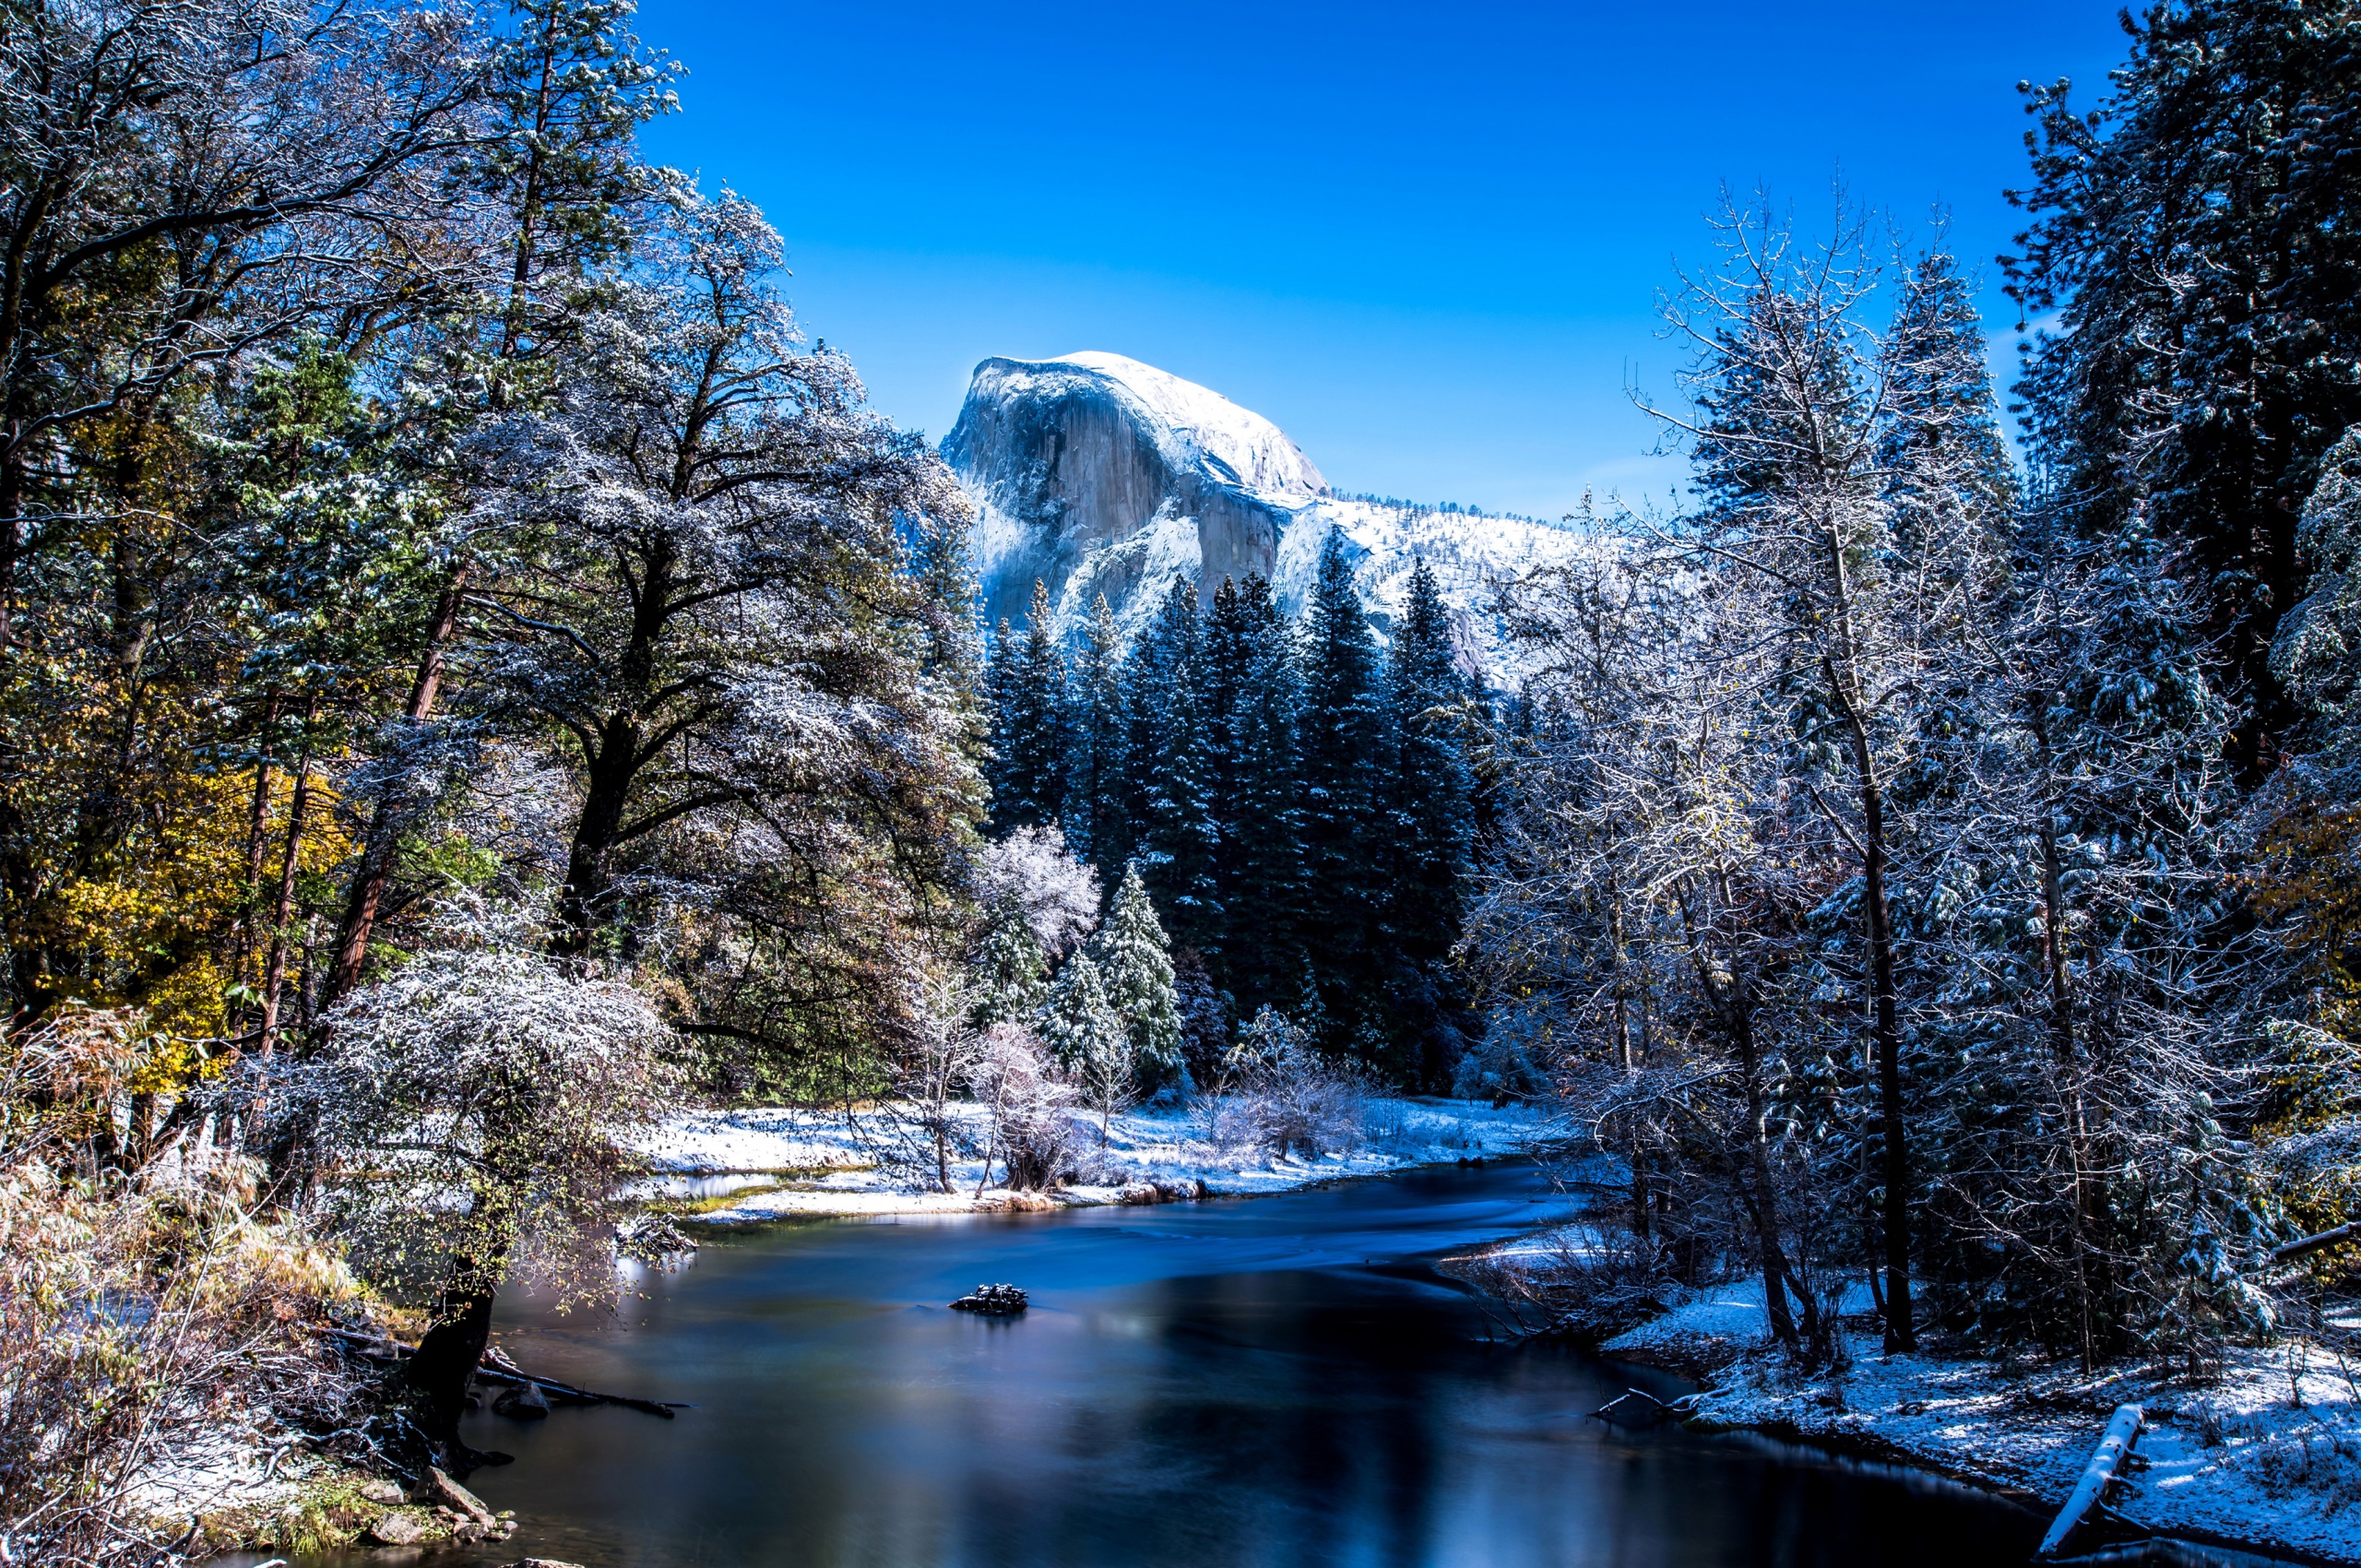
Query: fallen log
x=2122 y=1431
x=2295 y=1250
x=389 y=1350
x=1661 y=1413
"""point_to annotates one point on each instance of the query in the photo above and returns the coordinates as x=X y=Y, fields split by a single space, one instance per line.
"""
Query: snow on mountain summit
x=1238 y=444
x=1100 y=474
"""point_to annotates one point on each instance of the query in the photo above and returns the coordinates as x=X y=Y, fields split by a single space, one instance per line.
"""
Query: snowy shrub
x=1511 y=1059
x=471 y=1105
x=1588 y=1280
x=937 y=1065
x=1279 y=1094
x=1029 y=1108
x=131 y=1314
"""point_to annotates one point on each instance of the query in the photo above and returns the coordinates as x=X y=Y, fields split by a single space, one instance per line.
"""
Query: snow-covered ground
x=2266 y=1455
x=747 y=1165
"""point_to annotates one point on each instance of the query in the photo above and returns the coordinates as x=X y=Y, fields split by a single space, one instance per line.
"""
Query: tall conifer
x=1339 y=735
x=1135 y=963
x=1175 y=833
x=1431 y=825
x=1262 y=960
x=1096 y=823
x=1033 y=769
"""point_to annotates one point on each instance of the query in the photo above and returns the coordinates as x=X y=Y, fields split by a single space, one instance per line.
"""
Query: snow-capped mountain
x=1098 y=474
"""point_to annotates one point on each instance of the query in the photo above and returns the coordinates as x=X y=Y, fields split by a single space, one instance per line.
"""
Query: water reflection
x=1198 y=1387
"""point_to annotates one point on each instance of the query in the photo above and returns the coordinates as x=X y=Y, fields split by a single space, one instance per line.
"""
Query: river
x=1224 y=1385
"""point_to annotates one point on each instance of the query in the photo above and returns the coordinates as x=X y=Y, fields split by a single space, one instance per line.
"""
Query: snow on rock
x=867 y=1162
x=1098 y=474
x=2265 y=1454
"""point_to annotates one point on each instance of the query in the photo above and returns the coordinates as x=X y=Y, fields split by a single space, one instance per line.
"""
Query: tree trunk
x=446 y=1359
x=2088 y=1208
x=581 y=904
x=1733 y=1009
x=1635 y=1157
x=274 y=981
x=12 y=530
x=367 y=894
x=1901 y=1334
x=613 y=768
x=257 y=819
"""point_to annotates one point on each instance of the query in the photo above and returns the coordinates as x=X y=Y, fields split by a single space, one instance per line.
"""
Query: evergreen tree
x=1097 y=824
x=1433 y=790
x=1429 y=828
x=1339 y=735
x=999 y=707
x=1009 y=970
x=2199 y=234
x=1222 y=692
x=1173 y=823
x=1261 y=954
x=1136 y=964
x=1031 y=730
x=1081 y=1028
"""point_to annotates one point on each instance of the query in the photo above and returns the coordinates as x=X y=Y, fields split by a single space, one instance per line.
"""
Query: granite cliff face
x=1098 y=474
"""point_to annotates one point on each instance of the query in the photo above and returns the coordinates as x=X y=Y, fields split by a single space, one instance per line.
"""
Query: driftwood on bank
x=383 y=1348
x=2122 y=1431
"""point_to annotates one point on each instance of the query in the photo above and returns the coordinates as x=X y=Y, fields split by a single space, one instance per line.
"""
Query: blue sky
x=1427 y=240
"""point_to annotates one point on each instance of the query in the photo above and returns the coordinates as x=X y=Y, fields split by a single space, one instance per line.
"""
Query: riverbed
x=1279 y=1381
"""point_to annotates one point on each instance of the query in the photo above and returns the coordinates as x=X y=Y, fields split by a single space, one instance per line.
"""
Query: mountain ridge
x=1098 y=473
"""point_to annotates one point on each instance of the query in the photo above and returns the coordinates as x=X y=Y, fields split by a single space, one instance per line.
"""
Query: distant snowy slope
x=1098 y=474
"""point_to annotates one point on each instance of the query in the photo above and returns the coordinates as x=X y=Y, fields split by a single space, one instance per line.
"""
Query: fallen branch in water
x=382 y=1347
x=2122 y=1431
x=1665 y=1410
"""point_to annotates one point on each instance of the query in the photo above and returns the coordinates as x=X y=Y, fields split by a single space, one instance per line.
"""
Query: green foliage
x=1136 y=966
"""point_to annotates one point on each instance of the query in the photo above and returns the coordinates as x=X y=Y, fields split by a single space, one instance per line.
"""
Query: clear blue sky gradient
x=1427 y=240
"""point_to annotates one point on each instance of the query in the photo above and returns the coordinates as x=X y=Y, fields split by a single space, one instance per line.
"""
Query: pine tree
x=1136 y=964
x=999 y=708
x=1175 y=836
x=1010 y=973
x=1097 y=824
x=1261 y=952
x=2199 y=234
x=1081 y=1028
x=1432 y=788
x=1429 y=831
x=1032 y=698
x=1227 y=667
x=1338 y=736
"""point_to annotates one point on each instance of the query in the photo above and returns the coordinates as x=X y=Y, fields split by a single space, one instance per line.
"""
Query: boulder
x=378 y=1489
x=991 y=1301
x=402 y=1526
x=441 y=1489
x=523 y=1402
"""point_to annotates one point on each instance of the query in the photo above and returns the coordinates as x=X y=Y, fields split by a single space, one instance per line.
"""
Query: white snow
x=1241 y=454
x=2266 y=1451
x=1469 y=552
x=864 y=1162
x=1231 y=445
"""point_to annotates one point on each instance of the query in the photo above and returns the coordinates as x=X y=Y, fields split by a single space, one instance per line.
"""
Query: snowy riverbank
x=735 y=1166
x=2265 y=1455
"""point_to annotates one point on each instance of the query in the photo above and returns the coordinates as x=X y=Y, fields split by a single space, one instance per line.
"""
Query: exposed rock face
x=1098 y=474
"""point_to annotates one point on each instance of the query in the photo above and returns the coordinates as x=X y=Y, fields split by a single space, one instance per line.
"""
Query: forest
x=475 y=680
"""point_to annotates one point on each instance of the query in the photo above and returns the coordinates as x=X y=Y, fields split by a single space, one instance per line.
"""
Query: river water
x=1225 y=1384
